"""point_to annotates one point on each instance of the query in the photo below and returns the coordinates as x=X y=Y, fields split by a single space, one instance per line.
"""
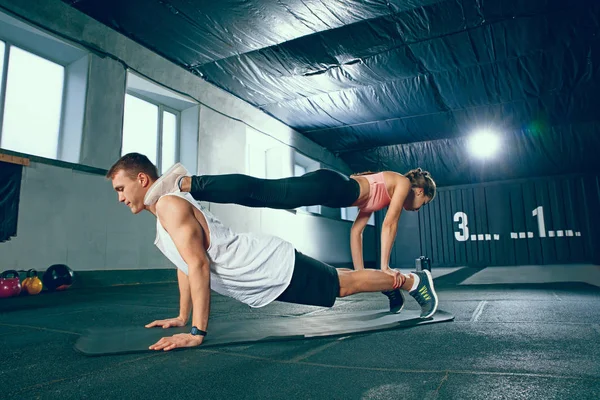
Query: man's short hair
x=133 y=164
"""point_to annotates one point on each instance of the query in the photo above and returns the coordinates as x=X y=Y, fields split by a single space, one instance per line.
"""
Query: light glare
x=484 y=144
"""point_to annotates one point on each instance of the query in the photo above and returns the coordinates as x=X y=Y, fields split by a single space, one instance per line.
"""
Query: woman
x=369 y=192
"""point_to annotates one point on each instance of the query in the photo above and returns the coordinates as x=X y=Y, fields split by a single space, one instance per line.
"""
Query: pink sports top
x=378 y=194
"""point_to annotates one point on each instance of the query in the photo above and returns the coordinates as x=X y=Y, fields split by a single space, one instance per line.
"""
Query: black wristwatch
x=197 y=332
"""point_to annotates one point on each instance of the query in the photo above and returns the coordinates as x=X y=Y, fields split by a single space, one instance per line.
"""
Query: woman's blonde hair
x=422 y=179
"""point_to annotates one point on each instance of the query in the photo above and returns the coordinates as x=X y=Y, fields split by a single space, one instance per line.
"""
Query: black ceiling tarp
x=577 y=103
x=201 y=31
x=529 y=153
x=376 y=81
x=384 y=52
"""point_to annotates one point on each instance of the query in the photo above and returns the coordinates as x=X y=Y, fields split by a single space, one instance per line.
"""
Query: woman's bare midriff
x=390 y=178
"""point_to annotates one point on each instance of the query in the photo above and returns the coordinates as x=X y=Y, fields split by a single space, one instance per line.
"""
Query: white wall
x=73 y=217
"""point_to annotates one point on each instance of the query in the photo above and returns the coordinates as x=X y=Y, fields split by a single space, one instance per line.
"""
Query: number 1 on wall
x=539 y=213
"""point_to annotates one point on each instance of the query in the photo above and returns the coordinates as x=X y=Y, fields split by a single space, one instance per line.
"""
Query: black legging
x=322 y=187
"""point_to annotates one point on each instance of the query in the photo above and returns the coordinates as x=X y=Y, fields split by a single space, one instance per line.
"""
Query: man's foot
x=425 y=294
x=167 y=183
x=396 y=300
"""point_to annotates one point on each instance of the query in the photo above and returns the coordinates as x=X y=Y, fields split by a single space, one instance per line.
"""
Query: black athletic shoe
x=396 y=300
x=425 y=294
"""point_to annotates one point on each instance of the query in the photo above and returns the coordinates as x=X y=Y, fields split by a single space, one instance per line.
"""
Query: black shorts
x=313 y=283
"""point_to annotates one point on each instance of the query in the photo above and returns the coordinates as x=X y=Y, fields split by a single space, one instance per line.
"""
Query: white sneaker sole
x=433 y=293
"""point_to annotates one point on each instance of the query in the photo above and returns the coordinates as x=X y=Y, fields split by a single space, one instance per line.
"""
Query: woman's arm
x=390 y=222
x=356 y=239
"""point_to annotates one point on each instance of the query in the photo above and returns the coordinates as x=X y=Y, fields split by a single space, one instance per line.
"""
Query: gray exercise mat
x=105 y=341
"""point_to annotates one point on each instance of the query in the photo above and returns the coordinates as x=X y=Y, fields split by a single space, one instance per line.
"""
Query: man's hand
x=179 y=340
x=167 y=323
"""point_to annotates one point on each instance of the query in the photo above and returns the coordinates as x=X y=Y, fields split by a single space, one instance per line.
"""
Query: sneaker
x=425 y=294
x=396 y=300
x=167 y=183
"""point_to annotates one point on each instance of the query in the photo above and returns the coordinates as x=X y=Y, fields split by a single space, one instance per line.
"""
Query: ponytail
x=422 y=179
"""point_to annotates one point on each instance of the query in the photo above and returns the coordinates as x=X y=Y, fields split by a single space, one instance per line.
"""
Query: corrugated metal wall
x=538 y=221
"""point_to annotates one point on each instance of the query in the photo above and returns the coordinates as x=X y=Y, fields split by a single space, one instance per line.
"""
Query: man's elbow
x=202 y=267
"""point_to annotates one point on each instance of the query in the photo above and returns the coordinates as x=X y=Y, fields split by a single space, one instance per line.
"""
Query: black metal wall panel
x=408 y=246
x=426 y=234
x=446 y=229
x=519 y=228
x=538 y=221
x=483 y=246
x=438 y=243
x=497 y=203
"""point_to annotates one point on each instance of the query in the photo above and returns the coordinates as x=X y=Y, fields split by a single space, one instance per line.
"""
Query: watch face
x=196 y=331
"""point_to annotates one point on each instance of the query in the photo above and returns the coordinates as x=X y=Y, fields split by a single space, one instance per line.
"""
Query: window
x=257 y=146
x=159 y=123
x=32 y=103
x=299 y=170
x=2 y=57
x=256 y=161
x=169 y=142
x=350 y=213
x=150 y=129
x=140 y=128
x=42 y=92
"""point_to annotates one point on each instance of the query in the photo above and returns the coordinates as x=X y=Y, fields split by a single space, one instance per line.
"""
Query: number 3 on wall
x=463 y=235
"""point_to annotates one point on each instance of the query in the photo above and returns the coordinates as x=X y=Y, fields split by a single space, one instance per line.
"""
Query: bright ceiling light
x=484 y=144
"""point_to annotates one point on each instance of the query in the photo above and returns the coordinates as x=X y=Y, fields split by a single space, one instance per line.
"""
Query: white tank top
x=252 y=268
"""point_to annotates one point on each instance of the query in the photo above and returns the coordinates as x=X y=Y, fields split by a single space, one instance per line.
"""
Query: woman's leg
x=418 y=284
x=372 y=280
x=321 y=187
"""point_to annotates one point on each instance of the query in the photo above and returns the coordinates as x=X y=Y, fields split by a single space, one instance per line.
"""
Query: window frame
x=75 y=61
x=4 y=83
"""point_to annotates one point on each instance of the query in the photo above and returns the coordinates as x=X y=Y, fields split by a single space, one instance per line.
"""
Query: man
x=255 y=269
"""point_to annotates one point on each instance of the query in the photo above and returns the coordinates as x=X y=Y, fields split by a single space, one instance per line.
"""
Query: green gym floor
x=514 y=340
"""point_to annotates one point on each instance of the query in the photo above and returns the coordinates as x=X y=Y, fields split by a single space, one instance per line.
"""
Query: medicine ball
x=58 y=277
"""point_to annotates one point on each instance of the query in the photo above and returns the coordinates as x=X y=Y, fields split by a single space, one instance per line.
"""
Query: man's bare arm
x=389 y=227
x=177 y=217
